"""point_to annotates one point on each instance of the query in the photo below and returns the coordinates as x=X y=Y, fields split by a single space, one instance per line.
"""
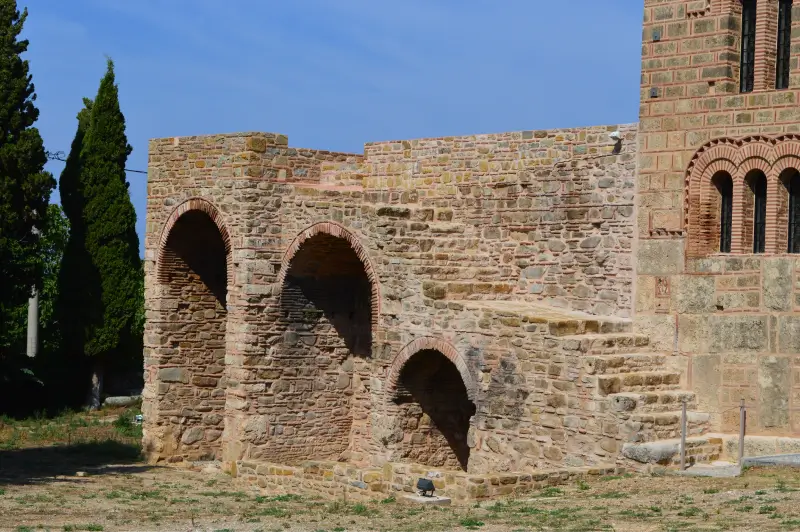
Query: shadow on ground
x=32 y=465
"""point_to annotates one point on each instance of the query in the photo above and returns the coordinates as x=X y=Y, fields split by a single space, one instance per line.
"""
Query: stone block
x=173 y=375
x=788 y=334
x=777 y=283
x=774 y=385
x=694 y=294
x=660 y=257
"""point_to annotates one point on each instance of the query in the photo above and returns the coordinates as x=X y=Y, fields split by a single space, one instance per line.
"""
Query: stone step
x=623 y=363
x=667 y=452
x=650 y=381
x=650 y=427
x=651 y=402
x=604 y=344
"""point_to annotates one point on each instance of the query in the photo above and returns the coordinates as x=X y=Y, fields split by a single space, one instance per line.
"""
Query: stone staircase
x=635 y=386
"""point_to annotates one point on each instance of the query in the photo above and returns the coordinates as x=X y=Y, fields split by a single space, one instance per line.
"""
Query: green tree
x=103 y=242
x=24 y=185
x=77 y=279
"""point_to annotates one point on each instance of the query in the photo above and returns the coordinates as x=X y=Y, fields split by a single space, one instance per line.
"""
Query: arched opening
x=191 y=356
x=723 y=208
x=322 y=363
x=434 y=412
x=755 y=211
x=789 y=209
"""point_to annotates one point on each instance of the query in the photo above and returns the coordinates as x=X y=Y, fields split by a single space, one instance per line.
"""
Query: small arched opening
x=789 y=210
x=722 y=208
x=754 y=212
x=433 y=412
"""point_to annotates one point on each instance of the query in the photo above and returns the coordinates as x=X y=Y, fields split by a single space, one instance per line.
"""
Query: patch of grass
x=389 y=500
x=94 y=528
x=271 y=511
x=114 y=494
x=143 y=495
x=767 y=509
x=23 y=528
x=744 y=509
x=360 y=509
x=612 y=495
x=781 y=487
x=692 y=511
x=550 y=492
x=338 y=529
x=583 y=485
x=2 y=491
x=655 y=509
x=470 y=522
x=761 y=492
x=791 y=523
x=710 y=491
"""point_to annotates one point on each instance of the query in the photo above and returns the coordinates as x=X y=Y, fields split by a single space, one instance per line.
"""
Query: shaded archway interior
x=193 y=270
x=434 y=412
x=321 y=364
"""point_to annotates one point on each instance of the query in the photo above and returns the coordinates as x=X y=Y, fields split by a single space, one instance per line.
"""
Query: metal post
x=33 y=324
x=742 y=419
x=683 y=435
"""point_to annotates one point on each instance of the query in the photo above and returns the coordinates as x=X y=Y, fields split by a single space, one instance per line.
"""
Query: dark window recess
x=747 y=71
x=782 y=65
x=724 y=186
x=794 y=213
x=759 y=188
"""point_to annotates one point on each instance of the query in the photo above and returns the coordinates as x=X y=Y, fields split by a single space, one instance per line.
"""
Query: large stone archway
x=327 y=311
x=187 y=351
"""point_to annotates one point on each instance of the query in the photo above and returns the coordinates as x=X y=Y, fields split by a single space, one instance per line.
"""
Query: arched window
x=791 y=180
x=747 y=70
x=757 y=183
x=724 y=184
x=782 y=64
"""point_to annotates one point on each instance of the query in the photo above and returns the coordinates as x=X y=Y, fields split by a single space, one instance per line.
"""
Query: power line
x=59 y=156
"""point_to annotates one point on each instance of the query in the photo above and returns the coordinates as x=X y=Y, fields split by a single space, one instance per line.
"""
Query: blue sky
x=334 y=74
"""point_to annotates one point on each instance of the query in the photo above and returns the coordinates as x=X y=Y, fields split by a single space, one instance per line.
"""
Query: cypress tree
x=24 y=185
x=103 y=254
x=77 y=279
x=111 y=239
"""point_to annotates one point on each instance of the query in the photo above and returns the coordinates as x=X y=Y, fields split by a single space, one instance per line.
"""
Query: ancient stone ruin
x=493 y=311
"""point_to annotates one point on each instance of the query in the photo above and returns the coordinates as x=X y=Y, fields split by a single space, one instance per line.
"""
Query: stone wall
x=336 y=262
x=730 y=316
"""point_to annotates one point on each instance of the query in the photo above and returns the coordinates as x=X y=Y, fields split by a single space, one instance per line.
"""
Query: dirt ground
x=96 y=482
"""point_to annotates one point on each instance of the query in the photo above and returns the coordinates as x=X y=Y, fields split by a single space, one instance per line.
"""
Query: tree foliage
x=101 y=282
x=24 y=185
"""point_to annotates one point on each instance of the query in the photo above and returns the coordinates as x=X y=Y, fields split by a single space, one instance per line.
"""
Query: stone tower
x=716 y=197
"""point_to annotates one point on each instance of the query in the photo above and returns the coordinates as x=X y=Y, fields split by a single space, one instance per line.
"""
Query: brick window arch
x=763 y=174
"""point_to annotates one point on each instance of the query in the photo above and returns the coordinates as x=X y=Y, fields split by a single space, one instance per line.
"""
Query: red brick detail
x=339 y=231
x=194 y=204
x=435 y=344
x=737 y=157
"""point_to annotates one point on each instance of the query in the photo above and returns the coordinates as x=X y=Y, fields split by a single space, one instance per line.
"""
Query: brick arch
x=755 y=148
x=434 y=344
x=201 y=205
x=339 y=231
x=752 y=163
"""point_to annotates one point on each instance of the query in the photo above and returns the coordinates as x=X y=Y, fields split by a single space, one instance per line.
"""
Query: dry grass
x=120 y=493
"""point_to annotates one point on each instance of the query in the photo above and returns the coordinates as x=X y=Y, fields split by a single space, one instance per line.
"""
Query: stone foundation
x=337 y=481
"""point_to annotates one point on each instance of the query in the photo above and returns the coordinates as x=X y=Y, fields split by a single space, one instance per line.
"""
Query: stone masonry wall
x=732 y=318
x=459 y=239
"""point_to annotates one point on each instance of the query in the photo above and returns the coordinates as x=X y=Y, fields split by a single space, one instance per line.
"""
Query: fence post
x=683 y=435
x=742 y=420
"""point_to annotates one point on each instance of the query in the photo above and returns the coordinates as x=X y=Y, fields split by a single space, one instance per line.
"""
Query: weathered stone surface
x=173 y=375
x=777 y=284
x=695 y=294
x=774 y=385
x=660 y=257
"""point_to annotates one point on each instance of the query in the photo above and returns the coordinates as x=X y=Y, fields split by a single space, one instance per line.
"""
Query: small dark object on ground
x=425 y=486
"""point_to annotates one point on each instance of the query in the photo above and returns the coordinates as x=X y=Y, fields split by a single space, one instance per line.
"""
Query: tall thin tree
x=103 y=258
x=24 y=185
